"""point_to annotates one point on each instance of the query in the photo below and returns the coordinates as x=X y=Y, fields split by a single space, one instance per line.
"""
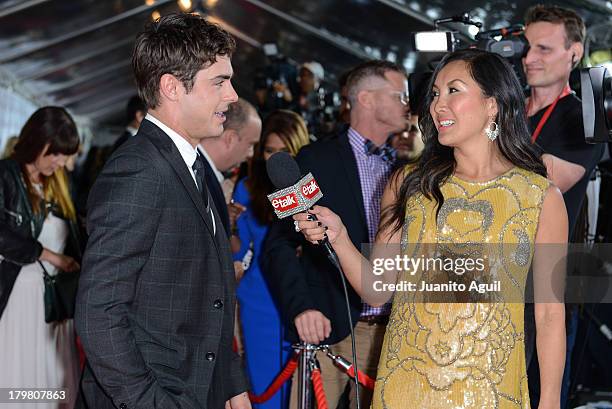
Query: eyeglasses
x=401 y=95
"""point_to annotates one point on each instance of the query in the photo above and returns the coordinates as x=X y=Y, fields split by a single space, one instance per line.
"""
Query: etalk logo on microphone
x=310 y=189
x=285 y=203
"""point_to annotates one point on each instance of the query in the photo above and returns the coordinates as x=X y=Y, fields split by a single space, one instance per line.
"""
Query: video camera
x=510 y=43
x=596 y=86
x=279 y=70
x=280 y=75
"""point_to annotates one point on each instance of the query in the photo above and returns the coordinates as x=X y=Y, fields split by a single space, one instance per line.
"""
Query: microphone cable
x=333 y=258
x=284 y=172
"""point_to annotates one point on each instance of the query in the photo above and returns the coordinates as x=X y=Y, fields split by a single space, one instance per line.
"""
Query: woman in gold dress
x=478 y=191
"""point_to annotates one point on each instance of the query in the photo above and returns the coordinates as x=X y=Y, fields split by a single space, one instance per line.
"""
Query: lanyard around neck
x=565 y=92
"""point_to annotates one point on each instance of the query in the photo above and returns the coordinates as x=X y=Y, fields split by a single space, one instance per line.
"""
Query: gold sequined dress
x=452 y=355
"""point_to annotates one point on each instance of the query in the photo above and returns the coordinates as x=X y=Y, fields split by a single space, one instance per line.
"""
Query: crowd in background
x=292 y=113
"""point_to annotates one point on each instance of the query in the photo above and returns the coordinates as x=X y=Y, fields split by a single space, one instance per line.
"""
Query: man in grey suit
x=155 y=307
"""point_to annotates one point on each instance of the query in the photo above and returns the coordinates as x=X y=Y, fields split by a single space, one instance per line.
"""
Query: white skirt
x=34 y=354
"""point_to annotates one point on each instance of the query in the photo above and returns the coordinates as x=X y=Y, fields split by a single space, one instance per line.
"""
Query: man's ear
x=365 y=98
x=229 y=137
x=170 y=87
x=577 y=50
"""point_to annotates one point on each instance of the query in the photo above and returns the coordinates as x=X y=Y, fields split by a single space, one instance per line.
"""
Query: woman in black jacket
x=37 y=227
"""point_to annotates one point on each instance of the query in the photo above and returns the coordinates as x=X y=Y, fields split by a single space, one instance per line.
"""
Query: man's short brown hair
x=368 y=69
x=177 y=44
x=575 y=31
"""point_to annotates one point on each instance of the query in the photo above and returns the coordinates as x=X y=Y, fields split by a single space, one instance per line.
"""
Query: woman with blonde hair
x=37 y=232
x=9 y=147
x=265 y=350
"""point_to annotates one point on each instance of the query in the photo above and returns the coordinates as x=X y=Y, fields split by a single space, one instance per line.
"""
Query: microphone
x=295 y=194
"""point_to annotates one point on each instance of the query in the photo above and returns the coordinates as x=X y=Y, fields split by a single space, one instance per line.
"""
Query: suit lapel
x=352 y=173
x=171 y=154
x=216 y=191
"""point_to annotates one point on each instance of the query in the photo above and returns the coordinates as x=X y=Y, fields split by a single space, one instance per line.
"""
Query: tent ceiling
x=77 y=52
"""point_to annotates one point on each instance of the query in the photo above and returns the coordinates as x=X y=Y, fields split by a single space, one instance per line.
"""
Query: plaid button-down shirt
x=374 y=174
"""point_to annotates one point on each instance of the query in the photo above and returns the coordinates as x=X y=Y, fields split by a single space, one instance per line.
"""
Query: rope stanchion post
x=309 y=379
x=307 y=354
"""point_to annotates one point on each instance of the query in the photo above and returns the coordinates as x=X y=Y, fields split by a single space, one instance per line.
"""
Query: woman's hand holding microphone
x=327 y=225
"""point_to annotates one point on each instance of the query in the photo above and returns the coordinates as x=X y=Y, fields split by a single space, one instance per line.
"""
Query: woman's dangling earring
x=492 y=134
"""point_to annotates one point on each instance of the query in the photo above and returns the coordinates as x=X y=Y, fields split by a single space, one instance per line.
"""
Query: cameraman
x=556 y=38
x=275 y=85
x=309 y=102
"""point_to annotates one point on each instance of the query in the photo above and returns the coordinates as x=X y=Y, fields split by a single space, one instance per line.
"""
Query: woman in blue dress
x=266 y=352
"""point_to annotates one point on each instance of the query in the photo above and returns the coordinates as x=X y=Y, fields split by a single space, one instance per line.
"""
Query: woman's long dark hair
x=48 y=125
x=496 y=79
x=292 y=130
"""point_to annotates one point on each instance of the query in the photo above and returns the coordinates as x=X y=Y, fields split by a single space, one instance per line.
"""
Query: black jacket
x=121 y=140
x=19 y=228
x=156 y=299
x=216 y=192
x=311 y=281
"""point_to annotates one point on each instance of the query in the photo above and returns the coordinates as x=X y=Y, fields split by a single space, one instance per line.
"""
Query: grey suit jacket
x=155 y=306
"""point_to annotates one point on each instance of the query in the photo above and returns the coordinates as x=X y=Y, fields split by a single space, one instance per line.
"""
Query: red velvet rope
x=317 y=382
x=317 y=385
x=364 y=379
x=278 y=382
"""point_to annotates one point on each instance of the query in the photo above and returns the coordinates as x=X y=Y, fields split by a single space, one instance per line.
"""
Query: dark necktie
x=199 y=171
x=385 y=152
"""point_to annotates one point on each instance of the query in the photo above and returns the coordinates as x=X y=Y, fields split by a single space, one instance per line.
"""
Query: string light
x=185 y=5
